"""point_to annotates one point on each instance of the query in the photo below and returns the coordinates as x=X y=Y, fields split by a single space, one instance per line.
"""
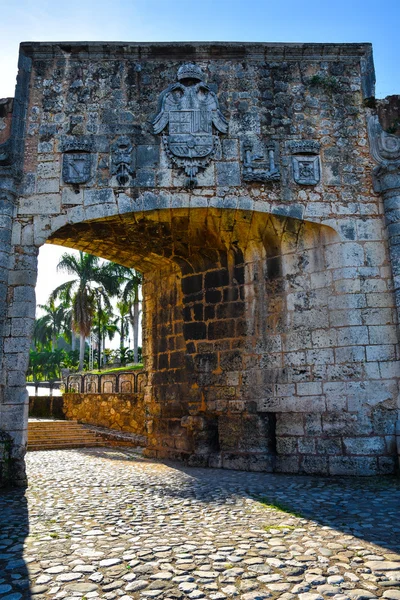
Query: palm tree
x=52 y=324
x=92 y=277
x=124 y=320
x=106 y=327
x=131 y=280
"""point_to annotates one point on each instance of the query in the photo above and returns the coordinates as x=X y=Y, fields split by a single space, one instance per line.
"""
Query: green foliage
x=45 y=365
x=85 y=306
x=279 y=527
x=50 y=326
x=325 y=81
x=135 y=367
x=279 y=507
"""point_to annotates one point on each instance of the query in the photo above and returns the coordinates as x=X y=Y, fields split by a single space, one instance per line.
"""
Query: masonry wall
x=120 y=412
x=270 y=336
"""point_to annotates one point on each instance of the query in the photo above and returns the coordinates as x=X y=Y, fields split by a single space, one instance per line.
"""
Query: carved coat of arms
x=190 y=109
x=77 y=161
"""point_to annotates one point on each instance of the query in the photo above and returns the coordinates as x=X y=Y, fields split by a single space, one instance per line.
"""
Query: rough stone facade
x=122 y=412
x=239 y=179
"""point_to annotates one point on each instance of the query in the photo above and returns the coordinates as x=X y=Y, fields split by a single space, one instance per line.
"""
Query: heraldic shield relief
x=190 y=109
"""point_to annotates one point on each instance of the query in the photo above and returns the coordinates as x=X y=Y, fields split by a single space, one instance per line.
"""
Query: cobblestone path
x=104 y=523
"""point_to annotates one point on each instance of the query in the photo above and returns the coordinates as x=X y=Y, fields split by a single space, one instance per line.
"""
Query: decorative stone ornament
x=5 y=154
x=385 y=149
x=255 y=168
x=306 y=167
x=190 y=109
x=77 y=161
x=121 y=160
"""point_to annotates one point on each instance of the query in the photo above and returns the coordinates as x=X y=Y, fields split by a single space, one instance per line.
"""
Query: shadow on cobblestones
x=14 y=529
x=366 y=507
x=107 y=522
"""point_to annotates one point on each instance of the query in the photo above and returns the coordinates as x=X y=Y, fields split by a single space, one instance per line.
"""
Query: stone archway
x=215 y=320
x=258 y=319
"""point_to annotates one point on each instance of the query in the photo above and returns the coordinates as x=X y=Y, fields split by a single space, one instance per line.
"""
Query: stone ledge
x=199 y=50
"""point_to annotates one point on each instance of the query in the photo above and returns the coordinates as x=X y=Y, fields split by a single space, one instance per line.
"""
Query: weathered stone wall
x=270 y=330
x=122 y=412
x=5 y=459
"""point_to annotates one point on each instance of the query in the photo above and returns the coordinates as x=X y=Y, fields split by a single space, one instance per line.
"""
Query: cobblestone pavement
x=105 y=523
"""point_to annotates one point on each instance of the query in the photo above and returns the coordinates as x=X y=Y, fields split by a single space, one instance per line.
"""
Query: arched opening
x=217 y=290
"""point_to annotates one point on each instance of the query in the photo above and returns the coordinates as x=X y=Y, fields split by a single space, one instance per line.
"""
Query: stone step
x=66 y=445
x=63 y=433
x=53 y=435
x=59 y=435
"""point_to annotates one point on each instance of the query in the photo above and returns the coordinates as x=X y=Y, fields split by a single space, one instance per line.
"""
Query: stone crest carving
x=255 y=167
x=77 y=161
x=305 y=161
x=385 y=149
x=121 y=160
x=384 y=146
x=190 y=110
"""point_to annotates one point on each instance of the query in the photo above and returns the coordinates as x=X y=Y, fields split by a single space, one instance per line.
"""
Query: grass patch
x=328 y=82
x=137 y=367
x=279 y=507
x=279 y=527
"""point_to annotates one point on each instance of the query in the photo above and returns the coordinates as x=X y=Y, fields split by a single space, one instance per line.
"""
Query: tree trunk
x=99 y=351
x=53 y=342
x=122 y=337
x=135 y=329
x=73 y=340
x=82 y=341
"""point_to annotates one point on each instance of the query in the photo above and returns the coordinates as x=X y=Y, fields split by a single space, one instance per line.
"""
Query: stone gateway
x=257 y=188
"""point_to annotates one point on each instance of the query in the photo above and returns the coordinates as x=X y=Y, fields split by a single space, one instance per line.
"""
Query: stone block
x=14 y=417
x=228 y=174
x=105 y=196
x=367 y=446
x=349 y=336
x=41 y=204
x=289 y=425
x=287 y=464
x=329 y=446
x=145 y=178
x=147 y=156
x=387 y=465
x=71 y=196
x=311 y=388
x=314 y=465
x=245 y=434
x=350 y=354
x=337 y=424
x=286 y=445
x=230 y=149
x=22 y=309
x=16 y=344
x=21 y=327
x=353 y=465
x=312 y=424
x=381 y=352
x=48 y=170
x=47 y=186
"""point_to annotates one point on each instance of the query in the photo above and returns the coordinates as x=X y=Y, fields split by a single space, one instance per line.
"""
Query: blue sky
x=216 y=20
x=196 y=20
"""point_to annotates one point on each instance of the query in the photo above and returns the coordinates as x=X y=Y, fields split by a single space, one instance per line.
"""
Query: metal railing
x=125 y=382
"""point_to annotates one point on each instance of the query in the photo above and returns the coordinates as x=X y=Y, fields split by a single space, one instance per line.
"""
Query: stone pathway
x=105 y=523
